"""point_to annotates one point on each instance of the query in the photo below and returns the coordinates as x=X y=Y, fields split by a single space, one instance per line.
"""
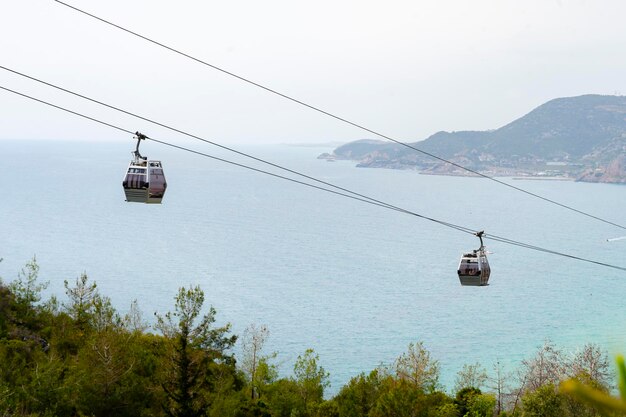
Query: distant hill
x=580 y=138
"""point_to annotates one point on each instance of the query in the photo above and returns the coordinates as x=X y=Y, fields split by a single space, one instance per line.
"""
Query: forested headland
x=78 y=356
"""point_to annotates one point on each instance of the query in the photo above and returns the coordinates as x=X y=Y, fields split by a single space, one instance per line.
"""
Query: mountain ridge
x=582 y=138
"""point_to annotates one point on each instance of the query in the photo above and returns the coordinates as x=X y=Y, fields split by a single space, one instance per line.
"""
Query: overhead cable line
x=361 y=196
x=344 y=120
x=364 y=199
x=194 y=136
x=368 y=201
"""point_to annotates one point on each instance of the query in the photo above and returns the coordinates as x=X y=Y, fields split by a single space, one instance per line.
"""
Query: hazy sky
x=405 y=68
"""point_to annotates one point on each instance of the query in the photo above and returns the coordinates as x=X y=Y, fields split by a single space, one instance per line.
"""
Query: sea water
x=355 y=282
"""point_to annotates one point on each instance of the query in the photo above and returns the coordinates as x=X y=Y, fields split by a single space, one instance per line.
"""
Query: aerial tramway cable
x=173 y=129
x=329 y=114
x=361 y=196
x=354 y=197
x=358 y=197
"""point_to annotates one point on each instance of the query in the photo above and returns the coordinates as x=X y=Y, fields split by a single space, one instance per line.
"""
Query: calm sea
x=355 y=282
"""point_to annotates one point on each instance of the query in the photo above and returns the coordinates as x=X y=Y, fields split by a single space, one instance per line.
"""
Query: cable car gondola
x=144 y=181
x=474 y=267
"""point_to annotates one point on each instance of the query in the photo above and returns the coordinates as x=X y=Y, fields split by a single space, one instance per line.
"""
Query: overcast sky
x=405 y=68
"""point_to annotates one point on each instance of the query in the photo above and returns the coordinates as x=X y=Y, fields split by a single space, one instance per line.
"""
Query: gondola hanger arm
x=140 y=137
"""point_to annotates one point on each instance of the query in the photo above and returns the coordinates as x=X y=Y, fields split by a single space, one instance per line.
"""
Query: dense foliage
x=80 y=357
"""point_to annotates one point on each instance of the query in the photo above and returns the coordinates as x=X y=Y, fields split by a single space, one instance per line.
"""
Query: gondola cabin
x=144 y=182
x=474 y=267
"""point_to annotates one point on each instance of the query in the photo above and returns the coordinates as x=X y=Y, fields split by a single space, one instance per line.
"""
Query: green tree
x=446 y=410
x=21 y=343
x=283 y=398
x=26 y=295
x=474 y=375
x=418 y=368
x=194 y=348
x=48 y=391
x=359 y=396
x=81 y=301
x=327 y=409
x=464 y=399
x=311 y=379
x=481 y=405
x=16 y=359
x=399 y=398
x=25 y=288
x=104 y=373
x=545 y=401
x=7 y=311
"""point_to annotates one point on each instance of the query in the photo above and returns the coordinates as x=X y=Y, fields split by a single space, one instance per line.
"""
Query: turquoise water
x=355 y=282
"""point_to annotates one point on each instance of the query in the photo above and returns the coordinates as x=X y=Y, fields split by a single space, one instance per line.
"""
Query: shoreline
x=514 y=176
